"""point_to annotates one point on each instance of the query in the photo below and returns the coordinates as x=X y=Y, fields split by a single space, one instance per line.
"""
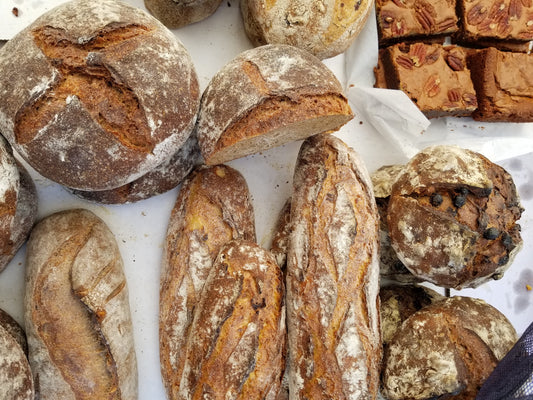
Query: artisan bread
x=324 y=28
x=235 y=346
x=18 y=204
x=452 y=217
x=446 y=350
x=161 y=179
x=213 y=207
x=77 y=314
x=282 y=231
x=16 y=378
x=178 y=13
x=76 y=100
x=265 y=97
x=334 y=334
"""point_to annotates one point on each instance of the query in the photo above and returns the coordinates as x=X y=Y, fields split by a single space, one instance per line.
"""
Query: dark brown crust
x=447 y=348
x=235 y=347
x=212 y=208
x=88 y=116
x=470 y=235
x=77 y=313
x=333 y=275
x=282 y=232
x=178 y=13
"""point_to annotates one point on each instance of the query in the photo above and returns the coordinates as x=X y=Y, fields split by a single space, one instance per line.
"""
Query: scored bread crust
x=334 y=338
x=77 y=314
x=18 y=204
x=324 y=28
x=77 y=103
x=178 y=13
x=212 y=208
x=265 y=97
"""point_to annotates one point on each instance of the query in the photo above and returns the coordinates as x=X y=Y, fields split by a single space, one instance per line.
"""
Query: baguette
x=212 y=208
x=77 y=314
x=333 y=276
x=235 y=347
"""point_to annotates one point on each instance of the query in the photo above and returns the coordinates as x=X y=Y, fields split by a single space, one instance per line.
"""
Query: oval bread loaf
x=235 y=346
x=212 y=208
x=16 y=378
x=325 y=28
x=446 y=350
x=265 y=97
x=178 y=13
x=452 y=217
x=77 y=314
x=76 y=101
x=18 y=204
x=334 y=334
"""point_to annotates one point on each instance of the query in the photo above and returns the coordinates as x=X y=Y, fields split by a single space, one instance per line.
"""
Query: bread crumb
x=528 y=287
x=15 y=11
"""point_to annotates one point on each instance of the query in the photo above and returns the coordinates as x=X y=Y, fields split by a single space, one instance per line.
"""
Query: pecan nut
x=424 y=18
x=405 y=61
x=432 y=86
x=476 y=14
x=455 y=61
x=454 y=95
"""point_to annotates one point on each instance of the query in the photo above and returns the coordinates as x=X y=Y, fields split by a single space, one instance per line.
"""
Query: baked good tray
x=387 y=129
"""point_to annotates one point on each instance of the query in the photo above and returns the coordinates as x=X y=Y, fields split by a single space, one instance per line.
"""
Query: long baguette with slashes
x=334 y=344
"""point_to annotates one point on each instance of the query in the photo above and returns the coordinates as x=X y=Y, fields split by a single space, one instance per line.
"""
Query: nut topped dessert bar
x=504 y=85
x=435 y=77
x=400 y=20
x=506 y=24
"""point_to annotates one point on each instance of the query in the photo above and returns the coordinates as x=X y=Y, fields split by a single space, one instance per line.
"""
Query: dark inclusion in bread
x=452 y=217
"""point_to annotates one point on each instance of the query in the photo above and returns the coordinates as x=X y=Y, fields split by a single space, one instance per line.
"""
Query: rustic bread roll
x=399 y=302
x=178 y=13
x=324 y=28
x=161 y=179
x=235 y=346
x=77 y=313
x=265 y=97
x=390 y=267
x=18 y=204
x=76 y=100
x=16 y=379
x=452 y=217
x=212 y=208
x=14 y=329
x=333 y=276
x=446 y=349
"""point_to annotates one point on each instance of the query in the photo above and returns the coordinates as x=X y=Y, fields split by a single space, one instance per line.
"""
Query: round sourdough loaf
x=18 y=204
x=452 y=217
x=161 y=179
x=265 y=97
x=178 y=13
x=94 y=95
x=325 y=28
x=446 y=350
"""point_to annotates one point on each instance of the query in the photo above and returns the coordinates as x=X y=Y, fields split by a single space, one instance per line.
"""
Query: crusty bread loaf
x=282 y=231
x=18 y=204
x=452 y=217
x=324 y=28
x=446 y=350
x=178 y=13
x=212 y=208
x=16 y=378
x=77 y=314
x=161 y=179
x=333 y=276
x=76 y=100
x=265 y=97
x=235 y=346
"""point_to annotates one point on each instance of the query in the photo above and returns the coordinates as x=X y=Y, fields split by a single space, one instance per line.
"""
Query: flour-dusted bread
x=325 y=28
x=161 y=179
x=452 y=217
x=178 y=13
x=18 y=204
x=265 y=97
x=235 y=346
x=446 y=350
x=77 y=313
x=333 y=324
x=94 y=95
x=213 y=207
